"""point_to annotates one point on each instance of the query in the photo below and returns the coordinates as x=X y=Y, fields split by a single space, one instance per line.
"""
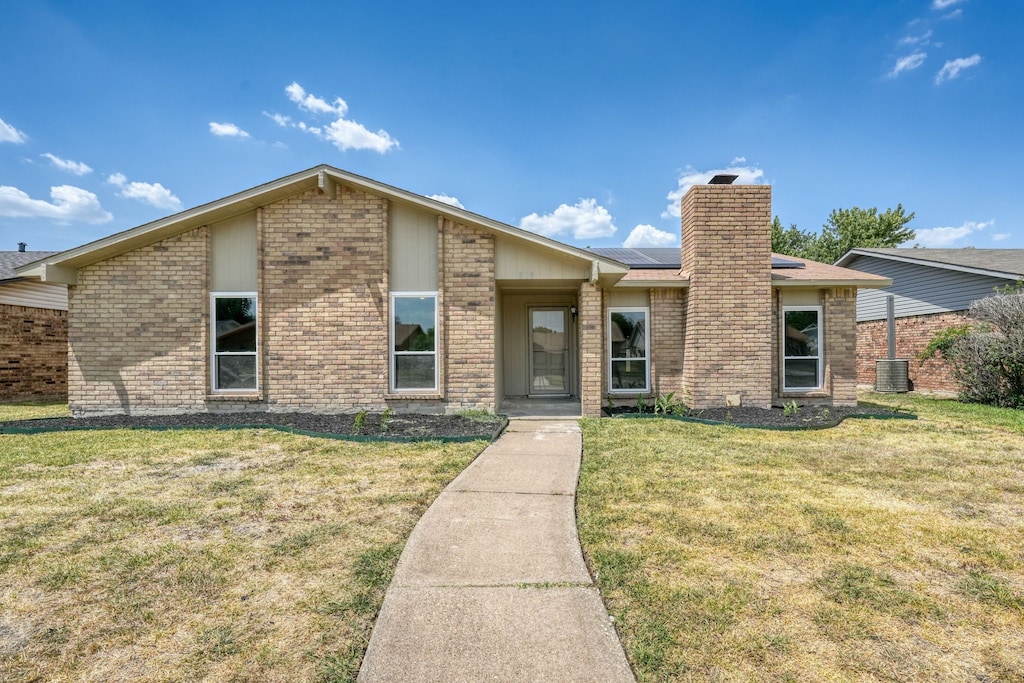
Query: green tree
x=791 y=240
x=846 y=229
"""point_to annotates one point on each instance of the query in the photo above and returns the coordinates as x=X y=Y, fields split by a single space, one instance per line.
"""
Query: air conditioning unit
x=892 y=376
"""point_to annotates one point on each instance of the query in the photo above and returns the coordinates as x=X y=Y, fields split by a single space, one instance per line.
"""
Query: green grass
x=32 y=410
x=201 y=555
x=877 y=550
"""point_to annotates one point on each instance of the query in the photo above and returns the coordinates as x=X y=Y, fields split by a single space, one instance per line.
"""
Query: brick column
x=840 y=313
x=668 y=330
x=726 y=252
x=591 y=336
x=468 y=336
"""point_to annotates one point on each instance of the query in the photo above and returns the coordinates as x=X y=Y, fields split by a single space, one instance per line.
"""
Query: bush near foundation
x=987 y=358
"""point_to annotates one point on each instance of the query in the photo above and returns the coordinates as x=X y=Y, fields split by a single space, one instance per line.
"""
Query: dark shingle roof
x=653 y=258
x=1009 y=261
x=9 y=260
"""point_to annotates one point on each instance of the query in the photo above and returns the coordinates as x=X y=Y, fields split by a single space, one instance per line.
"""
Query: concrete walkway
x=492 y=585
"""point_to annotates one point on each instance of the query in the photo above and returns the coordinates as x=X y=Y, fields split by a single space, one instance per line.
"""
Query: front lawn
x=251 y=555
x=876 y=550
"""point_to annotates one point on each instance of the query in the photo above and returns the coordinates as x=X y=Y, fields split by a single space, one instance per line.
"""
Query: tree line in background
x=845 y=229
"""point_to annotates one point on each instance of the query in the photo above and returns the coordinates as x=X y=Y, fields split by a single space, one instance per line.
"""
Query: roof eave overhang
x=853 y=253
x=653 y=284
x=61 y=266
x=859 y=284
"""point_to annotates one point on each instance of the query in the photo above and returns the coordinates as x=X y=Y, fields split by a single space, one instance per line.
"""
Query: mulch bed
x=806 y=417
x=397 y=426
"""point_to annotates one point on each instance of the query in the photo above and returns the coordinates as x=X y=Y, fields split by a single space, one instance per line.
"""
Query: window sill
x=801 y=393
x=414 y=396
x=242 y=396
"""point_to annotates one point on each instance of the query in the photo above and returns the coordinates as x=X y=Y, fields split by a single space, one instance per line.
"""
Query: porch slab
x=494 y=634
x=477 y=539
x=541 y=407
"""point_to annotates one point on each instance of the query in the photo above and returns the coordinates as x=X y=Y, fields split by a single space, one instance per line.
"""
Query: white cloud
x=9 y=133
x=944 y=4
x=347 y=135
x=916 y=40
x=955 y=14
x=736 y=161
x=948 y=236
x=1000 y=236
x=446 y=199
x=69 y=204
x=229 y=130
x=748 y=175
x=649 y=236
x=583 y=220
x=343 y=133
x=317 y=105
x=279 y=119
x=74 y=167
x=908 y=63
x=153 y=194
x=953 y=67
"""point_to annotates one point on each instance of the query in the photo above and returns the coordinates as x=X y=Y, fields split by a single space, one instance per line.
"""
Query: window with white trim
x=413 y=341
x=802 y=367
x=234 y=334
x=628 y=350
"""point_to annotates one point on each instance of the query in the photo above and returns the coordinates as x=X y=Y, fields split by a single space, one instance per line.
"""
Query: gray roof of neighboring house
x=9 y=260
x=995 y=262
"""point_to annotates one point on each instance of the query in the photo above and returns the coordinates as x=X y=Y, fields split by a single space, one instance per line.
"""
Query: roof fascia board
x=652 y=284
x=462 y=215
x=924 y=262
x=253 y=198
x=859 y=284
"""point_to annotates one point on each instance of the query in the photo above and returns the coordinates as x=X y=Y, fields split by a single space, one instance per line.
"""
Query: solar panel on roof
x=778 y=262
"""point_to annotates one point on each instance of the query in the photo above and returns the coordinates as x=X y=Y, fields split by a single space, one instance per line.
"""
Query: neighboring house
x=932 y=289
x=326 y=291
x=33 y=331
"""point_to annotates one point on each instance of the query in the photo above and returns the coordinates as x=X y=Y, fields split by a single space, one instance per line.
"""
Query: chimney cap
x=723 y=179
x=21 y=246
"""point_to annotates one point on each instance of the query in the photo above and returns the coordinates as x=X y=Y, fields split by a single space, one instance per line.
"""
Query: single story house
x=331 y=292
x=932 y=289
x=33 y=331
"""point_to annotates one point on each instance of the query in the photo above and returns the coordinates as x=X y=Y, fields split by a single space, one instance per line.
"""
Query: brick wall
x=726 y=251
x=668 y=330
x=590 y=323
x=912 y=335
x=467 y=337
x=324 y=302
x=33 y=352
x=137 y=330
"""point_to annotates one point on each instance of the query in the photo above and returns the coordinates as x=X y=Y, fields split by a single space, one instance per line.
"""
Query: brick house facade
x=33 y=333
x=932 y=290
x=329 y=292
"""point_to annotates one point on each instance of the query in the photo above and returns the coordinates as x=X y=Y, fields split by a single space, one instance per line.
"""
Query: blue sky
x=579 y=120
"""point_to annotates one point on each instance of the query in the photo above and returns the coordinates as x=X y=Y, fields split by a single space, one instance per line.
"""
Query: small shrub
x=385 y=419
x=669 y=405
x=641 y=404
x=360 y=420
x=988 y=360
x=790 y=409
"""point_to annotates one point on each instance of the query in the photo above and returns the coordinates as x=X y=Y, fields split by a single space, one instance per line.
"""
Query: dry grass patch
x=33 y=410
x=877 y=550
x=202 y=555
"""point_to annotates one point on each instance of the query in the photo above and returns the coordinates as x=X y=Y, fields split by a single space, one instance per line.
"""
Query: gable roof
x=1001 y=263
x=9 y=260
x=62 y=266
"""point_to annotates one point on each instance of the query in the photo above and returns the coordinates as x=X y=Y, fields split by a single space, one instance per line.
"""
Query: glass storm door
x=549 y=352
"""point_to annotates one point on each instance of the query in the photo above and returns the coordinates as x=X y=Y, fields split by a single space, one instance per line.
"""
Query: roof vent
x=723 y=179
x=21 y=246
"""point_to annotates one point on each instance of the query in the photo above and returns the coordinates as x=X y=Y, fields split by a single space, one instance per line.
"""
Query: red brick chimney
x=726 y=251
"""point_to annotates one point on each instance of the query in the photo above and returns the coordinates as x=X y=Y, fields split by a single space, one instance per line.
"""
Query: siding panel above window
x=233 y=254
x=413 y=249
